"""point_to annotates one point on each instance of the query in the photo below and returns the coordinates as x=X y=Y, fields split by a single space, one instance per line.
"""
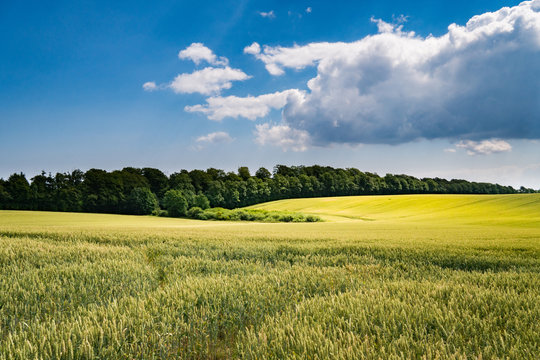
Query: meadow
x=381 y=277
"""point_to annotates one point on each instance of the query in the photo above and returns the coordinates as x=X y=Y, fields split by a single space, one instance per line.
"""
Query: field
x=383 y=277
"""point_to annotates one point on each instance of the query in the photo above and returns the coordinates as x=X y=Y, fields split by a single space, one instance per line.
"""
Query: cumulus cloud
x=250 y=107
x=478 y=81
x=215 y=138
x=150 y=86
x=296 y=57
x=197 y=52
x=207 y=81
x=269 y=14
x=283 y=136
x=484 y=147
x=253 y=49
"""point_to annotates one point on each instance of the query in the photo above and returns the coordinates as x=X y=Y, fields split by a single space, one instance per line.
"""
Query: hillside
x=515 y=209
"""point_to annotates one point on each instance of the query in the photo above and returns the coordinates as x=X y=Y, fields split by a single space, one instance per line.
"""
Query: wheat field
x=383 y=277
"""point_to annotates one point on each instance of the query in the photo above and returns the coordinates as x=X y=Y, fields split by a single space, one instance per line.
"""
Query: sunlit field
x=382 y=277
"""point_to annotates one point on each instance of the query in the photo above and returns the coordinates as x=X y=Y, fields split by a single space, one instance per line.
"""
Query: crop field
x=382 y=277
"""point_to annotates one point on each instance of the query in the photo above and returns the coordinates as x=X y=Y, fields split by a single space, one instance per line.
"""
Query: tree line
x=147 y=190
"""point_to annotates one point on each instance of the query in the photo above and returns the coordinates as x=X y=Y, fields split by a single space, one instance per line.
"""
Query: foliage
x=109 y=192
x=249 y=215
x=175 y=203
x=201 y=201
x=142 y=201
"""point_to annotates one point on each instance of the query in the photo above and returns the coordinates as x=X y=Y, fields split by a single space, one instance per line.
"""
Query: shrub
x=195 y=212
x=160 y=212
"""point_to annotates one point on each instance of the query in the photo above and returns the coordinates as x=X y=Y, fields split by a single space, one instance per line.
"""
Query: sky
x=425 y=88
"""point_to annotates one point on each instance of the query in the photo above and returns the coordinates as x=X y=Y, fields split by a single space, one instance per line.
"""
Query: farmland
x=390 y=277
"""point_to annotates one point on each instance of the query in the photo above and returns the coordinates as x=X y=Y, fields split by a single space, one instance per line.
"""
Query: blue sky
x=342 y=83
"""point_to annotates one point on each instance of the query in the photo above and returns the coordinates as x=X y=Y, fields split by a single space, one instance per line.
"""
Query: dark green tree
x=5 y=198
x=263 y=173
x=159 y=183
x=18 y=189
x=243 y=172
x=175 y=203
x=201 y=201
x=141 y=201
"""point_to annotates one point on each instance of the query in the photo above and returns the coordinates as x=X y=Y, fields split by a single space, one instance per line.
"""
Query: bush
x=195 y=212
x=285 y=218
x=160 y=213
x=248 y=215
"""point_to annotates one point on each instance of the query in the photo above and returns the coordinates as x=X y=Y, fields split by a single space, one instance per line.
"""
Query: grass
x=389 y=277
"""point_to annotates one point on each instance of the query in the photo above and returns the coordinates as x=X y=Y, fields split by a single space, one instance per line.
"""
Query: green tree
x=158 y=180
x=263 y=173
x=103 y=191
x=200 y=180
x=42 y=191
x=5 y=198
x=201 y=201
x=243 y=172
x=18 y=189
x=68 y=196
x=175 y=203
x=181 y=181
x=141 y=201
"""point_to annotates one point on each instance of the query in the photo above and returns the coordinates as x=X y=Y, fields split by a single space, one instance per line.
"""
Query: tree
x=181 y=181
x=263 y=173
x=216 y=174
x=18 y=189
x=103 y=191
x=158 y=180
x=200 y=180
x=141 y=201
x=215 y=194
x=68 y=195
x=201 y=201
x=243 y=172
x=175 y=203
x=42 y=191
x=5 y=198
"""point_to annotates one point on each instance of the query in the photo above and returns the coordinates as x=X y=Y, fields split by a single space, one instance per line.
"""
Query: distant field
x=519 y=210
x=389 y=277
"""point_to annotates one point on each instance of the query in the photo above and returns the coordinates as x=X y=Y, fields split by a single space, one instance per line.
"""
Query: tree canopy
x=140 y=191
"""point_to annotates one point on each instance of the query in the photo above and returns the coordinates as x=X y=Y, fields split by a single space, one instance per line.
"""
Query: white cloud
x=207 y=81
x=282 y=136
x=270 y=14
x=297 y=57
x=450 y=150
x=197 y=52
x=478 y=82
x=308 y=9
x=252 y=49
x=215 y=137
x=250 y=107
x=150 y=86
x=383 y=26
x=484 y=147
x=400 y=19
